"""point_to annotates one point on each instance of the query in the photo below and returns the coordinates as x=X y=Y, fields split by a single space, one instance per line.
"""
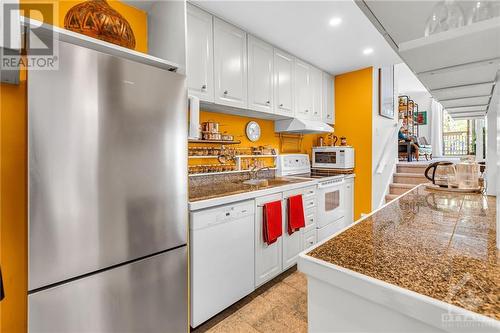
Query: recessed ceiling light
x=368 y=50
x=334 y=21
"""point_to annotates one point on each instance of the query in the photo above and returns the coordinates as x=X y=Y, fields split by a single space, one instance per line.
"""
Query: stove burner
x=321 y=173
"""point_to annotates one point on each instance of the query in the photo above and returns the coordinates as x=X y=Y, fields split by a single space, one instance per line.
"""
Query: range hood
x=301 y=126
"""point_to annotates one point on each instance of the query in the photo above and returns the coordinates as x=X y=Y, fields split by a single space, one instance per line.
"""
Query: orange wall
x=236 y=125
x=13 y=171
x=13 y=199
x=353 y=119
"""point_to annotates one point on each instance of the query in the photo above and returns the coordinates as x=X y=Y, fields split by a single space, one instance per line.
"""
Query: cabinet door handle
x=281 y=105
x=225 y=92
x=307 y=111
x=204 y=87
x=268 y=102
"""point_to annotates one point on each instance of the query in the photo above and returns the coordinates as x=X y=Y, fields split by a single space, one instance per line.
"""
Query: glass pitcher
x=468 y=174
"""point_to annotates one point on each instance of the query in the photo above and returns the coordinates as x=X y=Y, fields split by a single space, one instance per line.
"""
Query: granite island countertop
x=438 y=244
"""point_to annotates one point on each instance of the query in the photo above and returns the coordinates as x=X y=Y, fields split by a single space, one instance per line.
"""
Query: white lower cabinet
x=271 y=260
x=228 y=255
x=310 y=238
x=292 y=244
x=268 y=258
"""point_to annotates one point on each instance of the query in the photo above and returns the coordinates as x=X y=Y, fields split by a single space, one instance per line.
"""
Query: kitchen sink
x=267 y=182
x=257 y=182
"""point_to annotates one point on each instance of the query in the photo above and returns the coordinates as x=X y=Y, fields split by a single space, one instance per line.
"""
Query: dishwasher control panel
x=220 y=214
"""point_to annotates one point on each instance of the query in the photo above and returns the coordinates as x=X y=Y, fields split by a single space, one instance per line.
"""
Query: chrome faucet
x=254 y=172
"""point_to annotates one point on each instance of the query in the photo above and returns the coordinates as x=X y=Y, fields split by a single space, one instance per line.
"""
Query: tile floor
x=278 y=306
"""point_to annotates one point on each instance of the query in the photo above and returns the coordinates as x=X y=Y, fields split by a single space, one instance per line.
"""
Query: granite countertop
x=438 y=244
x=217 y=190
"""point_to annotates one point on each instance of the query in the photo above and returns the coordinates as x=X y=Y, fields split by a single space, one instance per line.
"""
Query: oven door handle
x=328 y=185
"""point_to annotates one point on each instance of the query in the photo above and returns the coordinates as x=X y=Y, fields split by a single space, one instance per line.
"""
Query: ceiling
x=302 y=28
x=406 y=81
x=459 y=66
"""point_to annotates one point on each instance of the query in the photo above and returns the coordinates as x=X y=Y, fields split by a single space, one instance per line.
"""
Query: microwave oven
x=334 y=157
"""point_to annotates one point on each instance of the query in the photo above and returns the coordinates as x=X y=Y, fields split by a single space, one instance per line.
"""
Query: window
x=459 y=137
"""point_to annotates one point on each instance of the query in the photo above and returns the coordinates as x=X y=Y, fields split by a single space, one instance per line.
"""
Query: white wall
x=491 y=149
x=384 y=141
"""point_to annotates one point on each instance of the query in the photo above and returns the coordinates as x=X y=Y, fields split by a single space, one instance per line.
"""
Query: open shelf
x=458 y=67
x=465 y=45
x=235 y=142
x=50 y=31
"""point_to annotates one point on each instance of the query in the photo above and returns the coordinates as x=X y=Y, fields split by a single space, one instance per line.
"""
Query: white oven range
x=331 y=192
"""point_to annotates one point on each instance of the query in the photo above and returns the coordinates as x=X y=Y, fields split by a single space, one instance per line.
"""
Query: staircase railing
x=456 y=143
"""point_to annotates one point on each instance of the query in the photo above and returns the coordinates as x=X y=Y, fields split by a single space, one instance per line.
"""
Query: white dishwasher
x=221 y=258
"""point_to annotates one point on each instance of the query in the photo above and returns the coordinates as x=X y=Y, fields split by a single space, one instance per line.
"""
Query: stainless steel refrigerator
x=107 y=196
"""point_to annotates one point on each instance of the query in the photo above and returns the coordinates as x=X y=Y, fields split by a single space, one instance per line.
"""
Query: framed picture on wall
x=386 y=91
x=422 y=118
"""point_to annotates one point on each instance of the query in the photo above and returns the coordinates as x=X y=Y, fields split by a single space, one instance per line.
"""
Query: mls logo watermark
x=467 y=321
x=32 y=46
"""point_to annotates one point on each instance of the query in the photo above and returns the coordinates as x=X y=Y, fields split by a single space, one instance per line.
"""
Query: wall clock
x=253 y=131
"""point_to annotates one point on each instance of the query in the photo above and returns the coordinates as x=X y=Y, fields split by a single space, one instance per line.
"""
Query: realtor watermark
x=31 y=46
x=466 y=296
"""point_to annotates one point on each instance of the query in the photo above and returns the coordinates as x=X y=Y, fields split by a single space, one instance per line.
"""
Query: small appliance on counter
x=443 y=173
x=194 y=118
x=460 y=177
x=333 y=157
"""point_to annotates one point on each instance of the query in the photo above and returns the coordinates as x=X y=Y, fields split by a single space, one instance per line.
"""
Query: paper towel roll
x=194 y=117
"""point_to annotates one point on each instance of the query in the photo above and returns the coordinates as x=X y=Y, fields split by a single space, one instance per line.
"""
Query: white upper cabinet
x=260 y=75
x=230 y=65
x=284 y=74
x=303 y=96
x=328 y=99
x=317 y=93
x=200 y=54
x=227 y=67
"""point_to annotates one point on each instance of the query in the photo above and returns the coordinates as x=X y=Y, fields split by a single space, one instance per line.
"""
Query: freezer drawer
x=107 y=164
x=149 y=295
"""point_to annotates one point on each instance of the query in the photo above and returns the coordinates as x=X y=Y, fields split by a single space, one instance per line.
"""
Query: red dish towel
x=272 y=222
x=296 y=218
